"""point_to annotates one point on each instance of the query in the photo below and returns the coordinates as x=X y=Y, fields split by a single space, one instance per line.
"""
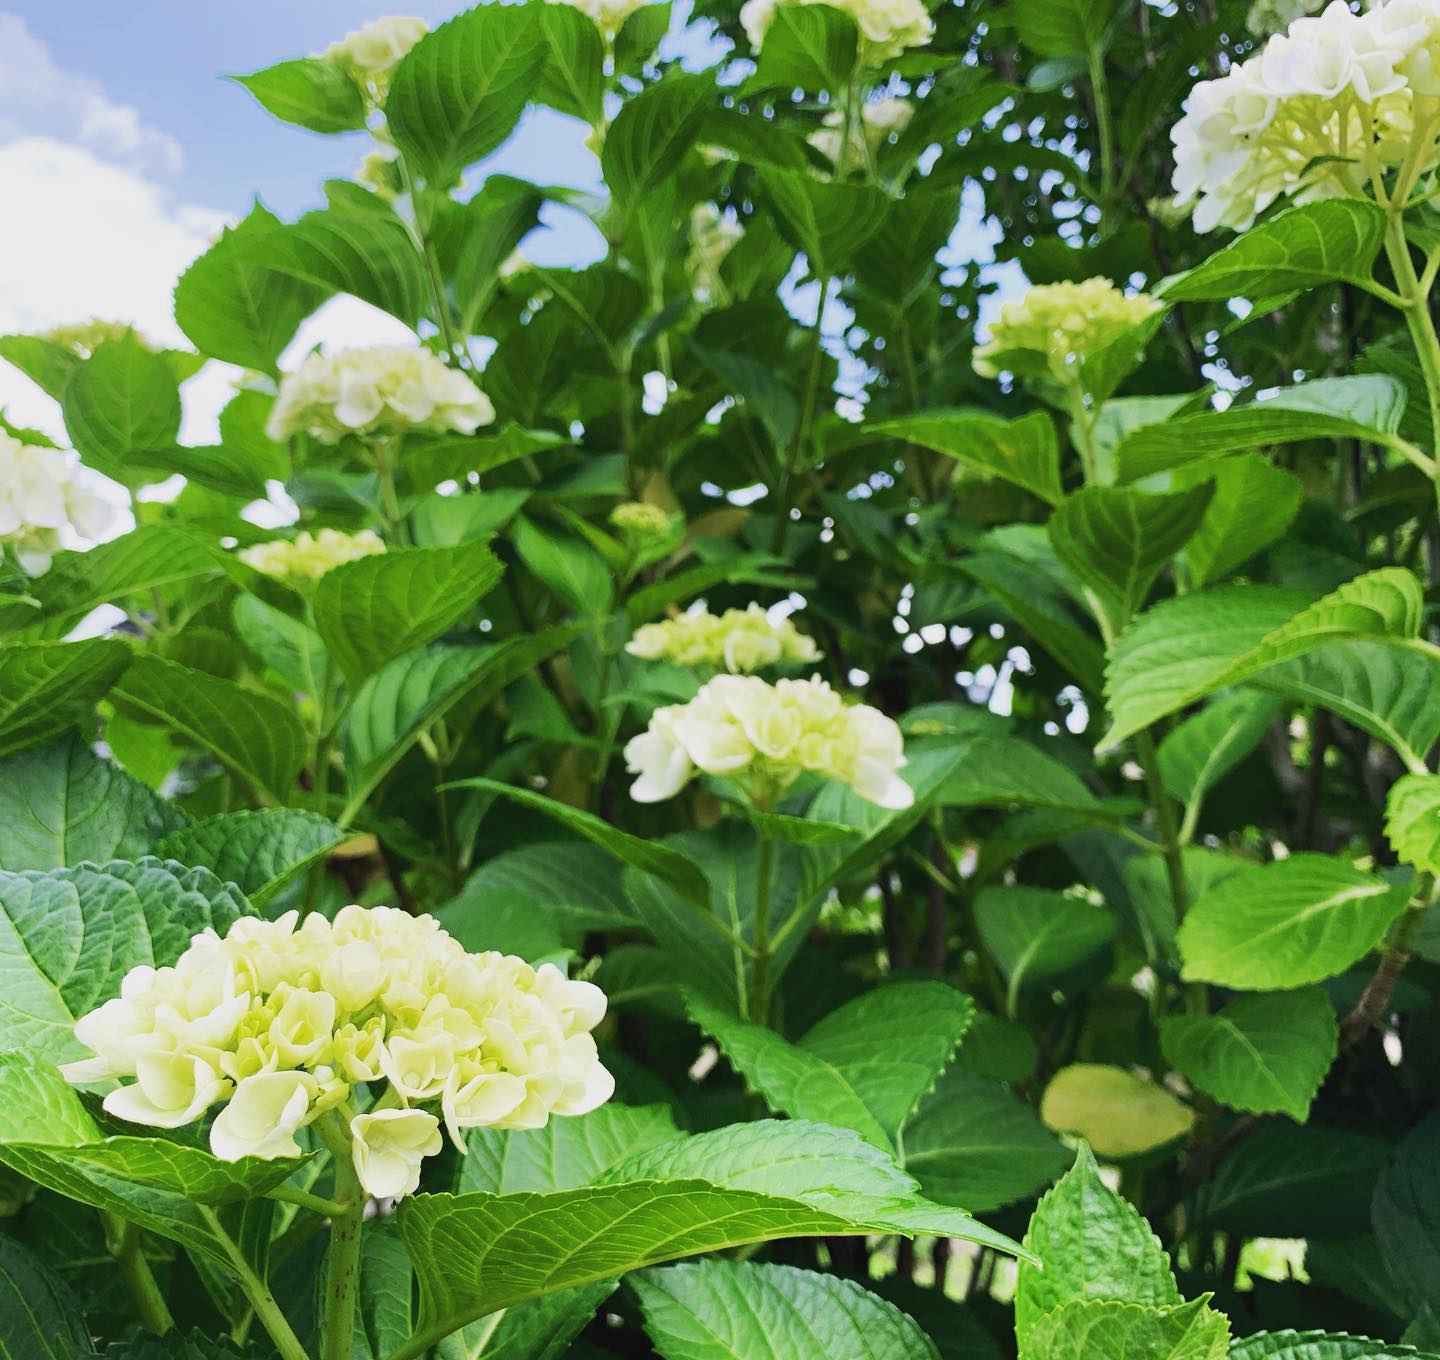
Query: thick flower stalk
x=607 y=15
x=388 y=389
x=1058 y=325
x=280 y=1023
x=44 y=496
x=765 y=737
x=1324 y=109
x=371 y=54
x=741 y=640
x=878 y=121
x=304 y=559
x=887 y=27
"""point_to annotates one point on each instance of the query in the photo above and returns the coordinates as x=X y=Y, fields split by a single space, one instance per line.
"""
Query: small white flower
x=45 y=495
x=263 y=1116
x=389 y=1146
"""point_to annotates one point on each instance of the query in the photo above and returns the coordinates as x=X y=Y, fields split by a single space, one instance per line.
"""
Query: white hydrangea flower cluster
x=1062 y=323
x=1312 y=113
x=43 y=493
x=765 y=737
x=887 y=27
x=278 y=1020
x=879 y=120
x=304 y=559
x=372 y=53
x=607 y=15
x=386 y=389
x=739 y=640
x=641 y=523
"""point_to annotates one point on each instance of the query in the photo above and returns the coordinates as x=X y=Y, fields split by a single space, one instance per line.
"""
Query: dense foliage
x=960 y=741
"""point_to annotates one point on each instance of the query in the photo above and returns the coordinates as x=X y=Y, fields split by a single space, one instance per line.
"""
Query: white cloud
x=38 y=95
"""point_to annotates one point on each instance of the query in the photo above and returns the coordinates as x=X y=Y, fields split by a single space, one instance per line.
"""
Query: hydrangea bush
x=853 y=776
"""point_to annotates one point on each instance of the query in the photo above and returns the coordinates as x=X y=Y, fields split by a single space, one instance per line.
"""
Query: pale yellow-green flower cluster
x=386 y=389
x=82 y=337
x=372 y=53
x=738 y=640
x=765 y=737
x=279 y=1021
x=1062 y=323
x=43 y=495
x=607 y=15
x=1322 y=109
x=640 y=523
x=304 y=559
x=887 y=27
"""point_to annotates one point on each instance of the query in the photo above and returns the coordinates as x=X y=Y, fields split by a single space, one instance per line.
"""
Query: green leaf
x=807 y=47
x=259 y=850
x=652 y=132
x=972 y=1142
x=431 y=462
x=566 y=1153
x=573 y=77
x=640 y=35
x=168 y=1187
x=370 y=611
x=1333 y=241
x=1117 y=541
x=48 y=365
x=311 y=93
x=1319 y=1346
x=1117 y=1112
x=149 y=558
x=1367 y=407
x=287 y=645
x=1204 y=749
x=1022 y=451
x=1035 y=934
x=1095 y=1246
x=62 y=804
x=539 y=1330
x=479 y=1252
x=39 y=1317
x=1063 y=28
x=1188 y=647
x=1096 y=1327
x=233 y=306
x=123 y=399
x=1253 y=504
x=650 y=857
x=1407 y=1213
x=49 y=687
x=1264 y=1054
x=864 y=1066
x=337 y=250
x=566 y=566
x=829 y=221
x=69 y=936
x=461 y=89
x=1010 y=772
x=257 y=737
x=738 y=1310
x=1412 y=820
x=1282 y=925
x=1390 y=693
x=758 y=386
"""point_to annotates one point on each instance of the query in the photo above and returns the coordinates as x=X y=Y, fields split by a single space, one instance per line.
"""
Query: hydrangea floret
x=1061 y=324
x=371 y=53
x=281 y=1022
x=764 y=737
x=43 y=496
x=737 y=640
x=386 y=389
x=642 y=524
x=304 y=559
x=1322 y=109
x=887 y=27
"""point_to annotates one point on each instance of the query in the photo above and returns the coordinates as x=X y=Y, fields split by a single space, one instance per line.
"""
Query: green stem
x=255 y=1290
x=1100 y=91
x=760 y=984
x=1082 y=420
x=1420 y=324
x=123 y=1242
x=316 y=1204
x=342 y=1266
x=421 y=238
